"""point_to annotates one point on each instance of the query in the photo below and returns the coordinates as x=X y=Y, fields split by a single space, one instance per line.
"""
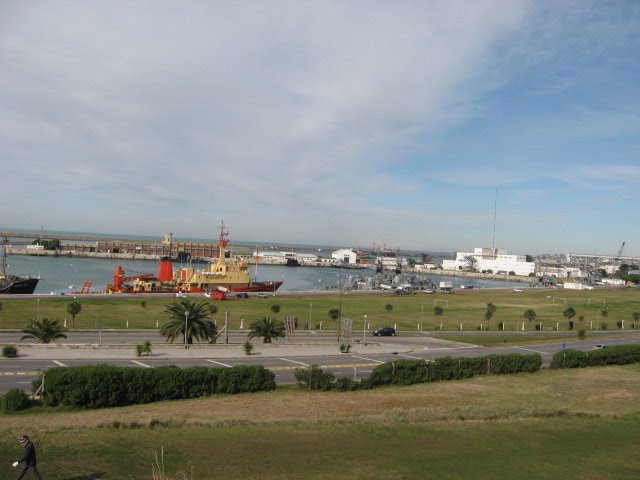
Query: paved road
x=282 y=357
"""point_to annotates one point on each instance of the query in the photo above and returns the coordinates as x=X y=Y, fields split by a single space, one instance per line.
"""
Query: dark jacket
x=29 y=455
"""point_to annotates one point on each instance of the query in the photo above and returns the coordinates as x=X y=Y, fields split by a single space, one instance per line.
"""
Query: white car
x=599 y=346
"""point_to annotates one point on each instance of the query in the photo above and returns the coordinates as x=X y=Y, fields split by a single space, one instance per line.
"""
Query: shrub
x=617 y=355
x=346 y=385
x=345 y=347
x=248 y=347
x=581 y=334
x=313 y=378
x=243 y=378
x=15 y=400
x=571 y=324
x=99 y=386
x=603 y=326
x=9 y=351
x=400 y=372
x=619 y=324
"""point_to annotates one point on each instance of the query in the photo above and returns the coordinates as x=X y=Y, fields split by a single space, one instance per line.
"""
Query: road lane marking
x=368 y=359
x=450 y=348
x=20 y=373
x=529 y=350
x=409 y=356
x=219 y=363
x=60 y=364
x=293 y=361
x=142 y=364
x=28 y=383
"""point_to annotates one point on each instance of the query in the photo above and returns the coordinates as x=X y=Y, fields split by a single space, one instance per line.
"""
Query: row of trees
x=187 y=320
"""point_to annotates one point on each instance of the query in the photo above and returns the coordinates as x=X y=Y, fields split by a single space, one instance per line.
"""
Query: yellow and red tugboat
x=227 y=275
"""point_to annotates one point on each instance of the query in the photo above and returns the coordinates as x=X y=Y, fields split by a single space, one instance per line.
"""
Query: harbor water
x=60 y=275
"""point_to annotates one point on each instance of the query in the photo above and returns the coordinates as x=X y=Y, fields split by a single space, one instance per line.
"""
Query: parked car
x=385 y=332
x=242 y=295
x=217 y=295
x=599 y=346
x=262 y=295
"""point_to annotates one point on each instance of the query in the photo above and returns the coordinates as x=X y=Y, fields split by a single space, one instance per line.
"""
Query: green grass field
x=578 y=424
x=408 y=311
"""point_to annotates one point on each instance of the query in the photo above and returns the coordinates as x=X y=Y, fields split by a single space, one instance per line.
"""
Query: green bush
x=513 y=363
x=346 y=385
x=9 y=351
x=313 y=378
x=243 y=378
x=617 y=355
x=15 y=400
x=100 y=386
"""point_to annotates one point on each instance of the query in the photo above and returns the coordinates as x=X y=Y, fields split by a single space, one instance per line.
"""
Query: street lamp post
x=364 y=331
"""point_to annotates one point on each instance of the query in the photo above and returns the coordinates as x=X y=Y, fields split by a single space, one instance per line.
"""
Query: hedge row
x=408 y=372
x=618 y=355
x=101 y=386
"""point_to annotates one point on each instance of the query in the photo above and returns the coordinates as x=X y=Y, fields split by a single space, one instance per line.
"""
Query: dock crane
x=620 y=251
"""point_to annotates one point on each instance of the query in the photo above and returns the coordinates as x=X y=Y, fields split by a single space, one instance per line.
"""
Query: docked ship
x=229 y=275
x=15 y=284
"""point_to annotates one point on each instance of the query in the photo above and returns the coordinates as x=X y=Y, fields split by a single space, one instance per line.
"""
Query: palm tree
x=74 y=308
x=191 y=315
x=267 y=328
x=529 y=314
x=44 y=330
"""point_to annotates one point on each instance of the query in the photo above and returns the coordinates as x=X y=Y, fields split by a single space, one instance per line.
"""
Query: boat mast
x=222 y=243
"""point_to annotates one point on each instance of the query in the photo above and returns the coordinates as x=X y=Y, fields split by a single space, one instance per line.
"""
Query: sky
x=410 y=124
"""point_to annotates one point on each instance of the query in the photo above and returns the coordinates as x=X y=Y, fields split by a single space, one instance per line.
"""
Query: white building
x=344 y=255
x=282 y=258
x=558 y=272
x=496 y=260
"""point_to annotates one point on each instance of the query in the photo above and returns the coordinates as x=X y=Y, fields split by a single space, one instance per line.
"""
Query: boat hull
x=19 y=285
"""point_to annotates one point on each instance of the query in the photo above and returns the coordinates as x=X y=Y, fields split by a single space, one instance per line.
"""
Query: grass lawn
x=576 y=424
x=408 y=312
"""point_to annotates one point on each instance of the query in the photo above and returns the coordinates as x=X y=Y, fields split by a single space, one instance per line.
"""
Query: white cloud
x=283 y=118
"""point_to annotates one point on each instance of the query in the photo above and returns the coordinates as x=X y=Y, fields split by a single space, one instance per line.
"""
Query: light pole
x=364 y=331
x=186 y=318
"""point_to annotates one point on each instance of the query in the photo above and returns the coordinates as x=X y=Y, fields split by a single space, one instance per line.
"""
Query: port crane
x=621 y=250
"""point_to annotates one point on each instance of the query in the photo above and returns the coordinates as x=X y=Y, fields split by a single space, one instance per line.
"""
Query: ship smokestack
x=165 y=271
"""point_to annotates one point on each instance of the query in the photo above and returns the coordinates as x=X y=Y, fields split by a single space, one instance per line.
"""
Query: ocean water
x=64 y=274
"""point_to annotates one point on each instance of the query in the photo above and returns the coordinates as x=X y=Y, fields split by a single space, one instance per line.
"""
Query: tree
x=388 y=307
x=275 y=308
x=196 y=324
x=44 y=331
x=74 y=308
x=334 y=314
x=491 y=309
x=569 y=313
x=438 y=310
x=472 y=263
x=267 y=328
x=529 y=314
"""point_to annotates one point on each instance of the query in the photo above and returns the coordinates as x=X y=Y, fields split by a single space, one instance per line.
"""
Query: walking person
x=28 y=458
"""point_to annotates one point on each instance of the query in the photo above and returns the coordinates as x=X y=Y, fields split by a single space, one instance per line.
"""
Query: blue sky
x=341 y=123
